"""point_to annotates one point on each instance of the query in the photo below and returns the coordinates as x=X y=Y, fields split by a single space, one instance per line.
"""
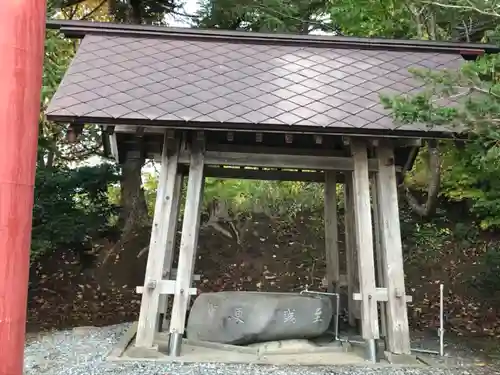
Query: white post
x=350 y=245
x=379 y=257
x=398 y=336
x=172 y=232
x=148 y=321
x=364 y=237
x=331 y=233
x=189 y=243
x=441 y=320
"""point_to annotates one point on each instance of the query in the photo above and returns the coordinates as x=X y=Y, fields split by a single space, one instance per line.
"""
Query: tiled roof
x=122 y=79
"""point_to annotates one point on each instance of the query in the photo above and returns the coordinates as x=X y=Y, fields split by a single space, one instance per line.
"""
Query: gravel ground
x=83 y=352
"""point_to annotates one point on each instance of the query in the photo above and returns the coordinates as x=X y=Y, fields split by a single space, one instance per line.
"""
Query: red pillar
x=22 y=34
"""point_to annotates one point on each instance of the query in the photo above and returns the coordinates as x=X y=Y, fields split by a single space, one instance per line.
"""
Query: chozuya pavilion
x=213 y=103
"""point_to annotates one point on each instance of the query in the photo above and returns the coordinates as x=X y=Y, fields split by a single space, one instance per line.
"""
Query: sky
x=190 y=7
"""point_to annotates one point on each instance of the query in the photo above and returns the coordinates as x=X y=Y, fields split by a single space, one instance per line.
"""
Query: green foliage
x=373 y=18
x=472 y=174
x=150 y=185
x=299 y=16
x=466 y=100
x=145 y=11
x=58 y=55
x=472 y=93
x=273 y=198
x=423 y=240
x=71 y=205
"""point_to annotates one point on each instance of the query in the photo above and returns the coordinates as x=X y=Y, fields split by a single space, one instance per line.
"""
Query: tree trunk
x=434 y=165
x=134 y=211
x=135 y=12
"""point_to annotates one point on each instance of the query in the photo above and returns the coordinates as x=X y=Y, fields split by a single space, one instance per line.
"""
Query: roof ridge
x=78 y=29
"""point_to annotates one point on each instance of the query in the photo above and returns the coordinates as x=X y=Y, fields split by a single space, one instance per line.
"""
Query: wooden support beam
x=398 y=335
x=274 y=150
x=173 y=221
x=379 y=256
x=262 y=174
x=148 y=321
x=350 y=250
x=139 y=132
x=381 y=295
x=173 y=275
x=331 y=235
x=308 y=162
x=188 y=246
x=364 y=237
x=170 y=248
x=113 y=145
x=166 y=287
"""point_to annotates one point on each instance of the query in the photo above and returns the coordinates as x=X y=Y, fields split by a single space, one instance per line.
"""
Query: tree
x=54 y=146
x=372 y=18
x=467 y=99
x=422 y=20
x=460 y=20
x=298 y=16
x=134 y=213
x=127 y=11
x=71 y=204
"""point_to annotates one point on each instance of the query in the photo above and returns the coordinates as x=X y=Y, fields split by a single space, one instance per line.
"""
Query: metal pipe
x=370 y=344
x=418 y=350
x=337 y=296
x=371 y=348
x=352 y=341
x=175 y=343
x=424 y=351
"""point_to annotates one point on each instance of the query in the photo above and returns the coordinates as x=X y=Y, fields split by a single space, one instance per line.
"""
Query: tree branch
x=70 y=3
x=470 y=7
x=487 y=92
x=319 y=24
x=89 y=14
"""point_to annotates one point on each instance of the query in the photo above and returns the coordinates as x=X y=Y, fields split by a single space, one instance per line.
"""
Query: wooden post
x=165 y=200
x=398 y=335
x=189 y=243
x=364 y=237
x=22 y=35
x=379 y=256
x=331 y=235
x=350 y=250
x=170 y=249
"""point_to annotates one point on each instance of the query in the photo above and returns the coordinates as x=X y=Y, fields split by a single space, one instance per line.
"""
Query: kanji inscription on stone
x=289 y=316
x=238 y=315
x=317 y=315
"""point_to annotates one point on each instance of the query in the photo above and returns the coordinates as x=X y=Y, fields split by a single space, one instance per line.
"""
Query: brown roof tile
x=115 y=78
